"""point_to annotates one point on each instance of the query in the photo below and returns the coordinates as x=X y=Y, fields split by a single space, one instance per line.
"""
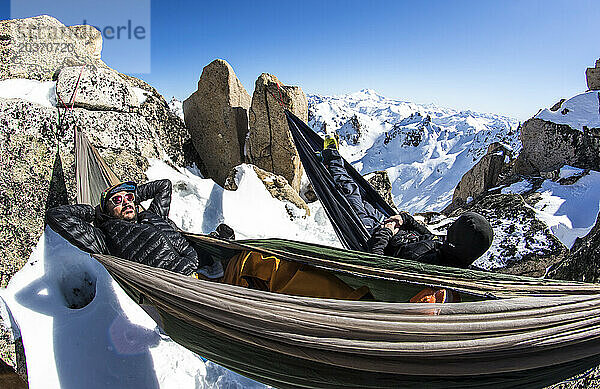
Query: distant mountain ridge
x=425 y=149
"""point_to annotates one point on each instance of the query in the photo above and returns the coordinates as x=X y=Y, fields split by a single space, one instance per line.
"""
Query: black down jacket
x=152 y=240
x=413 y=241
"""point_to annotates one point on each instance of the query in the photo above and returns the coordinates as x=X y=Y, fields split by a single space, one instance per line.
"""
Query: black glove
x=223 y=231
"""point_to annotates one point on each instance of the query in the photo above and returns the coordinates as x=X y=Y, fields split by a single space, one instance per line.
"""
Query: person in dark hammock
x=401 y=235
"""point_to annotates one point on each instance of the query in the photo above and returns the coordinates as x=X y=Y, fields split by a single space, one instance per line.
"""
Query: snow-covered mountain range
x=425 y=149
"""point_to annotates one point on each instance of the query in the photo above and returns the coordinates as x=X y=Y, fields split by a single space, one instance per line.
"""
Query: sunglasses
x=120 y=199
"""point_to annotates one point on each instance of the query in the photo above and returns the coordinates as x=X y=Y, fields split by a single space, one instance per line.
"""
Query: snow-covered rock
x=569 y=135
x=535 y=220
x=518 y=235
x=576 y=112
x=569 y=207
x=176 y=107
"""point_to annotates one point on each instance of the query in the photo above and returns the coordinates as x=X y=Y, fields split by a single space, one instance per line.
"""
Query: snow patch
x=569 y=210
x=570 y=171
x=581 y=110
x=176 y=107
x=38 y=92
x=250 y=210
x=517 y=188
x=141 y=94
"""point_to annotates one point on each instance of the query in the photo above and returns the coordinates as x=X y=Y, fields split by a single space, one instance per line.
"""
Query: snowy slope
x=199 y=205
x=569 y=210
x=424 y=148
x=576 y=112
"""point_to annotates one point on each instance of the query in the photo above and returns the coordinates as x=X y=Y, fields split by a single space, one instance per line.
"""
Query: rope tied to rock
x=280 y=99
x=71 y=103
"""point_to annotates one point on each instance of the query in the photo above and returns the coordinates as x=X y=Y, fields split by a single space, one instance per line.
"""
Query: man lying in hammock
x=401 y=235
x=117 y=227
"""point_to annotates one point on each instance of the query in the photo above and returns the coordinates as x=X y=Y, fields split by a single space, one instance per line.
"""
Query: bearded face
x=121 y=205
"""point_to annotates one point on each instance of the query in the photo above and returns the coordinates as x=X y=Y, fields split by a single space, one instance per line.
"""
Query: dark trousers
x=369 y=216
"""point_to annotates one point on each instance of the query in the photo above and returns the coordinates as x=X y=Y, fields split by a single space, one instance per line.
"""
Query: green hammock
x=516 y=331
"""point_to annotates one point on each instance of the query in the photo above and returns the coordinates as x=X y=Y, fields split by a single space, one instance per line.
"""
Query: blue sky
x=507 y=57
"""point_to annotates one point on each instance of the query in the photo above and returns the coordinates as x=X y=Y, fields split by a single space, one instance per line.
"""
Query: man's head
x=119 y=201
x=468 y=238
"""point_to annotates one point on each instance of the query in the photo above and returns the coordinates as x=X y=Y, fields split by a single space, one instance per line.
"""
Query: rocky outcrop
x=37 y=166
x=95 y=88
x=170 y=129
x=35 y=48
x=548 y=146
x=557 y=106
x=481 y=177
x=411 y=137
x=37 y=156
x=522 y=244
x=592 y=76
x=380 y=181
x=9 y=377
x=270 y=144
x=277 y=186
x=217 y=117
x=583 y=261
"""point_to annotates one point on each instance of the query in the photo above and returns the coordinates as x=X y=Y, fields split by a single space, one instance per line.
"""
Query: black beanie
x=469 y=236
